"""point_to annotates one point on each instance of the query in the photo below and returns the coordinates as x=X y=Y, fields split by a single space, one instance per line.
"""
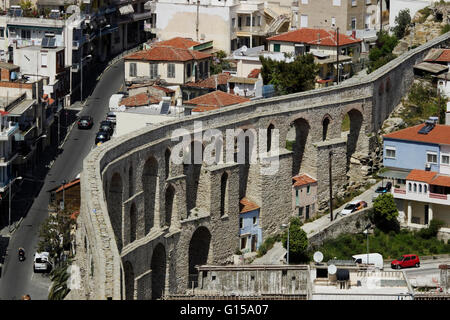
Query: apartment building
x=304 y=196
x=421 y=182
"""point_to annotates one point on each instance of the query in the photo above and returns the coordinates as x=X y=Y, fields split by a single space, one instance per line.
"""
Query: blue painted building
x=250 y=232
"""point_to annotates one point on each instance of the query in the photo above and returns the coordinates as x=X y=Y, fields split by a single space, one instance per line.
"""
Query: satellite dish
x=244 y=48
x=318 y=257
x=332 y=269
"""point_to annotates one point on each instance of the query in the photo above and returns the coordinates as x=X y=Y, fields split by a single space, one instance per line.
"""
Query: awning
x=126 y=9
x=431 y=67
x=21 y=107
x=394 y=174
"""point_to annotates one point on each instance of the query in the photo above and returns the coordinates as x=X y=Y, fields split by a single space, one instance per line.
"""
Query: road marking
x=32 y=276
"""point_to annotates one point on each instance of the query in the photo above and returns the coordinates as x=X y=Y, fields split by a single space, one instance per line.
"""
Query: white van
x=41 y=262
x=374 y=258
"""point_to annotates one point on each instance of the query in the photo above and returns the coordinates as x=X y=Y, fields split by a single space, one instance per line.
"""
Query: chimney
x=447 y=115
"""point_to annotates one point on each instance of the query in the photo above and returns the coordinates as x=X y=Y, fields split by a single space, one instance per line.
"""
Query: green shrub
x=445 y=28
x=267 y=245
x=432 y=230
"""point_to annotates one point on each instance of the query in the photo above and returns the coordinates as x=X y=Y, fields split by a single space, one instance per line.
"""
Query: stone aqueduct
x=145 y=222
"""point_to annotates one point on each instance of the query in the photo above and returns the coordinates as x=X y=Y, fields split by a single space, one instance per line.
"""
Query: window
x=367 y=22
x=2 y=33
x=259 y=20
x=368 y=1
x=308 y=189
x=353 y=23
x=353 y=3
x=300 y=211
x=415 y=187
x=153 y=70
x=247 y=21
x=409 y=186
x=241 y=223
x=233 y=22
x=303 y=21
x=431 y=157
x=26 y=34
x=276 y=47
x=420 y=188
x=171 y=70
x=243 y=243
x=133 y=69
x=390 y=152
x=304 y=1
x=188 y=70
x=445 y=159
x=255 y=221
x=333 y=21
x=43 y=60
x=337 y=3
x=425 y=188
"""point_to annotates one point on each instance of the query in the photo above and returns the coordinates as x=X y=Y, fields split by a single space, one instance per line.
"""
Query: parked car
x=42 y=262
x=353 y=206
x=102 y=137
x=85 y=122
x=106 y=126
x=111 y=116
x=405 y=261
x=382 y=190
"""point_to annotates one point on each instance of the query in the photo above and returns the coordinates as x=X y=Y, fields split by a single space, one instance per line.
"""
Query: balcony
x=437 y=198
x=8 y=131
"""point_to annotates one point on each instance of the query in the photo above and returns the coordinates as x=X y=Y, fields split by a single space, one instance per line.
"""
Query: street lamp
x=366 y=231
x=10 y=186
x=100 y=44
x=82 y=59
x=284 y=226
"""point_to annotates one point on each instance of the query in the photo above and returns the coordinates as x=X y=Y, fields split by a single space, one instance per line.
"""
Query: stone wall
x=108 y=269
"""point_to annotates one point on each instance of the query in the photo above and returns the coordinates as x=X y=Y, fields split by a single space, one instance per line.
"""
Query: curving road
x=17 y=278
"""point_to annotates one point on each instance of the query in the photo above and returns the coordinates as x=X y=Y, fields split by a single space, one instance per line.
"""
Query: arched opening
x=169 y=204
x=129 y=280
x=352 y=124
x=246 y=146
x=114 y=203
x=269 y=136
x=296 y=142
x=158 y=267
x=130 y=182
x=199 y=249
x=167 y=162
x=223 y=194
x=192 y=170
x=150 y=186
x=325 y=124
x=133 y=222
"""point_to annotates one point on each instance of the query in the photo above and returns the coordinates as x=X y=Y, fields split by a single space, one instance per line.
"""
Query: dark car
x=405 y=261
x=102 y=137
x=111 y=116
x=85 y=122
x=107 y=126
x=382 y=190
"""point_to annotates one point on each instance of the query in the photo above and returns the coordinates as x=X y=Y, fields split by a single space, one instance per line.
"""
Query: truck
x=369 y=258
x=42 y=262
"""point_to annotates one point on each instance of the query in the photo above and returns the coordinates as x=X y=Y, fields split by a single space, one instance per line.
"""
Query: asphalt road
x=17 y=278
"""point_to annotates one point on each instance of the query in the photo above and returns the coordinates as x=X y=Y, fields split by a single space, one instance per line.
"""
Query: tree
x=296 y=76
x=382 y=52
x=432 y=230
x=385 y=213
x=402 y=21
x=298 y=241
x=219 y=64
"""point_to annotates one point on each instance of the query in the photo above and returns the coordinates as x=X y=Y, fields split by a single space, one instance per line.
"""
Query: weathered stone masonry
x=128 y=248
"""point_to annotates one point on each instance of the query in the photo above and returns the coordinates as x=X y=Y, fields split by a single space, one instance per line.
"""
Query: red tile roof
x=302 y=180
x=141 y=99
x=222 y=79
x=68 y=185
x=166 y=53
x=166 y=90
x=429 y=177
x=150 y=84
x=445 y=56
x=254 y=73
x=178 y=42
x=438 y=55
x=203 y=109
x=311 y=36
x=246 y=205
x=439 y=135
x=216 y=99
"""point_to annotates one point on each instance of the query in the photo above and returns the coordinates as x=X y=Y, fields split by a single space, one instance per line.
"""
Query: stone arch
x=129 y=280
x=296 y=141
x=325 y=126
x=167 y=162
x=246 y=144
x=150 y=183
x=114 y=203
x=133 y=222
x=158 y=266
x=270 y=129
x=130 y=181
x=224 y=194
x=192 y=169
x=170 y=204
x=356 y=123
x=199 y=253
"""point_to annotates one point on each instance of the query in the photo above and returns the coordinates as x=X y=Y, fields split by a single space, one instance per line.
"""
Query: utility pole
x=381 y=15
x=331 y=184
x=197 y=22
x=337 y=53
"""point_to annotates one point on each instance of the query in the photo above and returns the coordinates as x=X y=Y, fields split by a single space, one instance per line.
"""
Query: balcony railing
x=438 y=196
x=401 y=191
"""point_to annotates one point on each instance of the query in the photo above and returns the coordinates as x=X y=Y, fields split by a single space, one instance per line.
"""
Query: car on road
x=106 y=126
x=405 y=261
x=85 y=122
x=102 y=137
x=353 y=206
x=382 y=190
x=111 y=116
x=42 y=262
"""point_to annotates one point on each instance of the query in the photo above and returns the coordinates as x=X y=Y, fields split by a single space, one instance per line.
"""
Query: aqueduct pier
x=145 y=222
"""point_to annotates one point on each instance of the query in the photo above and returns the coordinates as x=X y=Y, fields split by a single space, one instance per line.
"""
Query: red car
x=405 y=261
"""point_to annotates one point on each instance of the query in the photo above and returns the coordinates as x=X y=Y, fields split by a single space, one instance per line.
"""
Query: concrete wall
x=103 y=257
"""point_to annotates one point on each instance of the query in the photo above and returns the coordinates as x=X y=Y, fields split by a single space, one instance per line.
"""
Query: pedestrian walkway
x=273 y=256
